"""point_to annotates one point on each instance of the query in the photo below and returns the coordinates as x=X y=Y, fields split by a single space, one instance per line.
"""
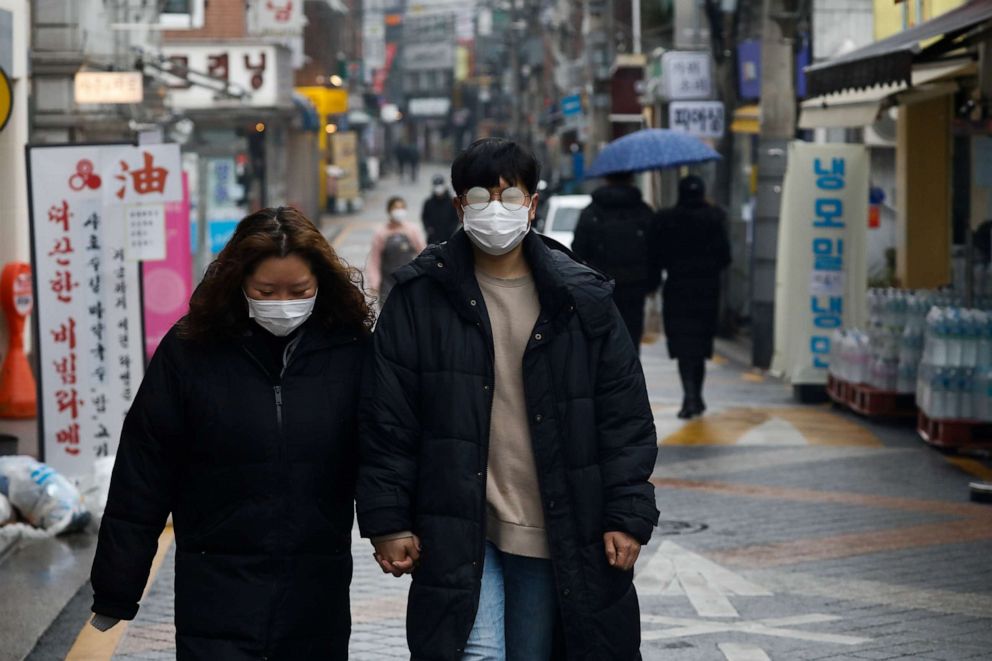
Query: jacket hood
x=563 y=284
x=617 y=196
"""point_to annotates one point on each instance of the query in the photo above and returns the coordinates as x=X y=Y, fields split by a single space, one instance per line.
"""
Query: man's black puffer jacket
x=425 y=424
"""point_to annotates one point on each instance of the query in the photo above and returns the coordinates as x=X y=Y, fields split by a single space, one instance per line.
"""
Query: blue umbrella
x=651 y=149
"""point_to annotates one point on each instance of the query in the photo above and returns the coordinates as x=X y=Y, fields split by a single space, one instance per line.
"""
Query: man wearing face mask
x=394 y=245
x=507 y=440
x=439 y=216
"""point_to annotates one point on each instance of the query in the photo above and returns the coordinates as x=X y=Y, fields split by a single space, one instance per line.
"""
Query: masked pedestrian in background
x=693 y=249
x=438 y=215
x=507 y=438
x=394 y=244
x=244 y=429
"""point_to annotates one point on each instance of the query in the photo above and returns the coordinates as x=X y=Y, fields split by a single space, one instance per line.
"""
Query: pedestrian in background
x=615 y=235
x=438 y=215
x=244 y=429
x=413 y=160
x=394 y=245
x=693 y=249
x=507 y=437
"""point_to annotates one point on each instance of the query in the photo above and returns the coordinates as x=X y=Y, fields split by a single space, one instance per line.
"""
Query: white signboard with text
x=263 y=73
x=112 y=87
x=703 y=119
x=822 y=273
x=88 y=302
x=687 y=75
x=276 y=18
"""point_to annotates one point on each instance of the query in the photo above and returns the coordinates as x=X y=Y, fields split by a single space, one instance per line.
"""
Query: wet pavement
x=788 y=532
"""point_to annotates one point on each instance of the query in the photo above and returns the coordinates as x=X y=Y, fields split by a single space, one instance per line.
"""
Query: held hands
x=398 y=556
x=621 y=550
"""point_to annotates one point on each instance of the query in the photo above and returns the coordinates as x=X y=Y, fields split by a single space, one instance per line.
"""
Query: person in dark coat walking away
x=507 y=440
x=614 y=235
x=693 y=249
x=244 y=428
x=438 y=215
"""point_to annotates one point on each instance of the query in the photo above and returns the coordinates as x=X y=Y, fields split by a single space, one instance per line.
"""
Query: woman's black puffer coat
x=425 y=425
x=258 y=470
x=693 y=249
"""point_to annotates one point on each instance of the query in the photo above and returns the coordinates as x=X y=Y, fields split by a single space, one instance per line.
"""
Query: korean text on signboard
x=822 y=262
x=703 y=119
x=90 y=345
x=687 y=75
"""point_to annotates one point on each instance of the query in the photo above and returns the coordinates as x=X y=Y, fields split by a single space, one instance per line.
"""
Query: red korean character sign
x=87 y=299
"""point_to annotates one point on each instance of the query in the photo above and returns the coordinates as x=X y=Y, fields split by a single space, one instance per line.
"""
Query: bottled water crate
x=955 y=435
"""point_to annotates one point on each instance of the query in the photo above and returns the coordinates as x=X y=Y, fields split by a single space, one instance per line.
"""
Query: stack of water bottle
x=955 y=377
x=887 y=354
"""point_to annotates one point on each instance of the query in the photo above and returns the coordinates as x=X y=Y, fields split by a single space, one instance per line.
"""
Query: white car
x=562 y=216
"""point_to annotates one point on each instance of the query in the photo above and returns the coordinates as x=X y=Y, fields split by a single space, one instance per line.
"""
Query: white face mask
x=280 y=317
x=495 y=230
x=440 y=190
x=398 y=214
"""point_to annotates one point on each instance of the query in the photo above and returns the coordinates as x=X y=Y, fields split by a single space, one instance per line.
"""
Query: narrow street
x=788 y=532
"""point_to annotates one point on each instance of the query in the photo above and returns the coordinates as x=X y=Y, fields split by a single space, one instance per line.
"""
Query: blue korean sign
x=571 y=105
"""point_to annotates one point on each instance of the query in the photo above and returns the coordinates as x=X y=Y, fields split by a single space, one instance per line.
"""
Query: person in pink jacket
x=394 y=245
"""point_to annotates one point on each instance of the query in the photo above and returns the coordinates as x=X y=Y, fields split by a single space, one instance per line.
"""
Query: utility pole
x=598 y=40
x=515 y=92
x=778 y=128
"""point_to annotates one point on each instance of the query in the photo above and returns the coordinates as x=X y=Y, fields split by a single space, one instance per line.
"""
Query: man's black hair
x=393 y=201
x=488 y=160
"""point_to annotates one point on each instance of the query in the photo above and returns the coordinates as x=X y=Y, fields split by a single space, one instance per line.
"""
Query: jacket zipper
x=278 y=393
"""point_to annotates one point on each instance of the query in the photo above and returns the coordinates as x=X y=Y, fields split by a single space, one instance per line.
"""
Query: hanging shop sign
x=276 y=18
x=87 y=229
x=108 y=87
x=6 y=99
x=703 y=119
x=430 y=107
x=821 y=281
x=261 y=74
x=687 y=75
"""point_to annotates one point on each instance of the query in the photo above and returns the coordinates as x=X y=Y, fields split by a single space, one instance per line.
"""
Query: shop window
x=182 y=14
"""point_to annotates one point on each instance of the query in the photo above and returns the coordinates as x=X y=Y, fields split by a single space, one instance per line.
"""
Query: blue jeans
x=517 y=609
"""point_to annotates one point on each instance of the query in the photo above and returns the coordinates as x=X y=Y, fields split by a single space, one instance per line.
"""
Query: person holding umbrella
x=693 y=249
x=614 y=235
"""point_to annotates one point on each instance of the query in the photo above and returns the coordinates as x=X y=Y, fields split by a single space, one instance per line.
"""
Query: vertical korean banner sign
x=168 y=283
x=95 y=210
x=821 y=281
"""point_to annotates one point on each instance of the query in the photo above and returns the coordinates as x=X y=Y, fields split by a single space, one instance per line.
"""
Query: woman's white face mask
x=398 y=215
x=280 y=317
x=494 y=230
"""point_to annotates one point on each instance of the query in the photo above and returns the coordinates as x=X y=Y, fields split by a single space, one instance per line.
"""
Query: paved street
x=788 y=532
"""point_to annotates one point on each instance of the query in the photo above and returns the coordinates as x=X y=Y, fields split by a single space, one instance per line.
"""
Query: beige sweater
x=516 y=518
x=515 y=521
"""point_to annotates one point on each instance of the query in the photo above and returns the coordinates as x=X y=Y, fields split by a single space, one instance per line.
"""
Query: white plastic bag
x=45 y=498
x=6 y=511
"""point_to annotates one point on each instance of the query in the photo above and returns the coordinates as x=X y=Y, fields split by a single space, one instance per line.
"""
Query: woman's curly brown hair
x=218 y=308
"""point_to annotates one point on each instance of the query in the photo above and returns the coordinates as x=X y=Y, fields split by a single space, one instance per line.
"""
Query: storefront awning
x=890 y=61
x=858 y=108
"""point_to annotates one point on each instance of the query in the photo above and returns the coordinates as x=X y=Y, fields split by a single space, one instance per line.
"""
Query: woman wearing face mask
x=394 y=245
x=244 y=429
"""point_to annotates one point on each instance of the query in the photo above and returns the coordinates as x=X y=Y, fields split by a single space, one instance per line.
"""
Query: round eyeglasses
x=478 y=198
